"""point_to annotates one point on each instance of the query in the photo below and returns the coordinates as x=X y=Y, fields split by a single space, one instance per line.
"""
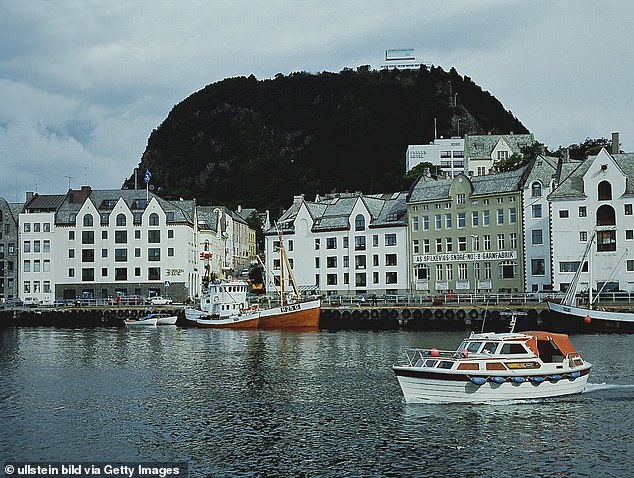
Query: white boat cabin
x=225 y=299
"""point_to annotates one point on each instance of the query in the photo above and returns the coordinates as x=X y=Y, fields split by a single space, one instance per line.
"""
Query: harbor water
x=314 y=404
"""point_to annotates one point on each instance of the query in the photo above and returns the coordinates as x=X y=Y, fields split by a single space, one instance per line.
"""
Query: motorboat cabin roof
x=543 y=344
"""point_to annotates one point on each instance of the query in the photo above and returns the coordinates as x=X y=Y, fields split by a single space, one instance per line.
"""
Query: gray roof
x=542 y=169
x=427 y=189
x=571 y=176
x=332 y=212
x=135 y=199
x=480 y=146
x=207 y=217
x=45 y=202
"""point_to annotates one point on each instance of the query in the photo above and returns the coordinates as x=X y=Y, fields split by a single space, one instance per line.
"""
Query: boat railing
x=414 y=355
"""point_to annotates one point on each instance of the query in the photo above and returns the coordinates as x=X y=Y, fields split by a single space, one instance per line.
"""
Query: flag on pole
x=148 y=175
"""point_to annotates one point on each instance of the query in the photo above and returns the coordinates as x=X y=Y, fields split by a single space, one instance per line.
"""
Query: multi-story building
x=483 y=151
x=538 y=184
x=466 y=234
x=9 y=264
x=350 y=244
x=448 y=154
x=95 y=244
x=592 y=207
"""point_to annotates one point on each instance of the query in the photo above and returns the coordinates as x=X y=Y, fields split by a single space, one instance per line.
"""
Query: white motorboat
x=494 y=366
x=164 y=319
x=146 y=320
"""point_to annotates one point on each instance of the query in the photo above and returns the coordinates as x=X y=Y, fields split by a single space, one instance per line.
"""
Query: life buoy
x=439 y=314
x=473 y=314
x=365 y=314
x=427 y=313
x=374 y=314
x=406 y=313
x=393 y=314
x=461 y=314
x=418 y=314
x=449 y=314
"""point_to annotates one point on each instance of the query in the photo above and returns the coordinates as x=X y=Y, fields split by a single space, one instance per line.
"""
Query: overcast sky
x=83 y=83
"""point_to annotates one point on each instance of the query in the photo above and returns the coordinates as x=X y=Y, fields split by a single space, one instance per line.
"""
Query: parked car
x=13 y=303
x=31 y=301
x=158 y=300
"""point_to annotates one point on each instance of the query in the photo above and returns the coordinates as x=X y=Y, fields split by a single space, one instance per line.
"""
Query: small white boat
x=494 y=366
x=165 y=319
x=141 y=321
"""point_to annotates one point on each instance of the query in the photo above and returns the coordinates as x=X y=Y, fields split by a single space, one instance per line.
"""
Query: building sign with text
x=465 y=257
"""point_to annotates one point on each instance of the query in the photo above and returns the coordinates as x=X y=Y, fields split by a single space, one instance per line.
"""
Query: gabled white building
x=594 y=199
x=482 y=151
x=448 y=154
x=349 y=244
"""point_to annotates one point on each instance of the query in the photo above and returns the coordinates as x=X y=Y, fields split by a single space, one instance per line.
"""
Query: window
x=474 y=218
x=536 y=189
x=36 y=246
x=415 y=223
x=449 y=270
x=536 y=210
x=438 y=244
x=391 y=277
x=331 y=243
x=500 y=216
x=390 y=239
x=121 y=255
x=276 y=264
x=583 y=211
x=331 y=261
x=317 y=244
x=416 y=246
x=606 y=216
x=461 y=198
x=375 y=260
x=425 y=223
x=359 y=243
x=36 y=227
x=360 y=280
x=154 y=219
x=513 y=240
x=346 y=261
x=345 y=242
x=170 y=233
x=448 y=221
x=104 y=235
x=121 y=220
x=572 y=266
x=538 y=267
x=27 y=227
x=359 y=223
x=104 y=253
x=439 y=272
x=359 y=262
x=604 y=190
x=462 y=244
x=88 y=255
x=485 y=217
x=507 y=269
x=628 y=209
x=462 y=220
x=137 y=252
x=629 y=234
x=104 y=272
x=331 y=279
x=121 y=274
x=120 y=237
x=629 y=265
x=154 y=254
x=87 y=237
x=426 y=246
x=104 y=218
x=500 y=242
x=512 y=215
x=375 y=277
x=88 y=274
x=375 y=240
x=46 y=266
x=71 y=272
x=316 y=262
x=606 y=241
x=46 y=227
x=88 y=220
x=438 y=221
x=71 y=253
x=422 y=273
x=137 y=234
x=71 y=235
x=390 y=259
x=563 y=214
x=153 y=273
x=475 y=243
x=154 y=236
x=27 y=266
x=537 y=237
x=583 y=236
x=487 y=242
x=449 y=244
x=462 y=271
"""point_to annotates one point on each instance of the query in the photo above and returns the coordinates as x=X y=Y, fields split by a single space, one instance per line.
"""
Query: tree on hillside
x=515 y=161
x=418 y=170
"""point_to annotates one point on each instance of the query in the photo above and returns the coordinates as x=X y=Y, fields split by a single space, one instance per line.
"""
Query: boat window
x=430 y=363
x=489 y=347
x=473 y=347
x=510 y=349
x=468 y=366
x=445 y=364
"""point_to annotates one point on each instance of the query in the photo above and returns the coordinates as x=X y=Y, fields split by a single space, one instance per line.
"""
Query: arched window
x=605 y=191
x=359 y=223
x=121 y=220
x=606 y=216
x=88 y=220
x=536 y=189
x=154 y=219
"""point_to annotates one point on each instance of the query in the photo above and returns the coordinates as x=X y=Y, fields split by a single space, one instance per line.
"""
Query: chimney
x=29 y=196
x=615 y=143
x=239 y=208
x=298 y=199
x=566 y=155
x=80 y=196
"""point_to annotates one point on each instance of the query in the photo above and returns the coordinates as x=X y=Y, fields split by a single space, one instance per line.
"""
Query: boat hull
x=580 y=319
x=140 y=323
x=301 y=315
x=428 y=387
x=167 y=320
x=236 y=322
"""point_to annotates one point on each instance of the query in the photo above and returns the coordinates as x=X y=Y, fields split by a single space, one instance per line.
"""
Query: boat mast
x=569 y=297
x=282 y=265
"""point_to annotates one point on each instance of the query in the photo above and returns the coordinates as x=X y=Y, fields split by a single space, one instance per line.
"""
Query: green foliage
x=414 y=173
x=515 y=161
x=258 y=143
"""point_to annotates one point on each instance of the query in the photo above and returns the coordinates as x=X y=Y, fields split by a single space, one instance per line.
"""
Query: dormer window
x=359 y=223
x=536 y=189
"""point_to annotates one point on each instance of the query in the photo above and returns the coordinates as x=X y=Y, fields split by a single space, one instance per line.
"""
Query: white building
x=446 y=153
x=98 y=244
x=538 y=184
x=594 y=197
x=347 y=244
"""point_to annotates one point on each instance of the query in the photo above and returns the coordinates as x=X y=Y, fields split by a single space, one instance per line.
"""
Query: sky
x=84 y=83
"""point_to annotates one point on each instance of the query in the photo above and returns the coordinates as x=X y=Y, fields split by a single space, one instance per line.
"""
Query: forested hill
x=259 y=142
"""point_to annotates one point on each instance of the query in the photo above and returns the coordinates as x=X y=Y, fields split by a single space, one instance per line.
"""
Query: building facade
x=448 y=154
x=9 y=250
x=466 y=234
x=343 y=244
x=592 y=208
